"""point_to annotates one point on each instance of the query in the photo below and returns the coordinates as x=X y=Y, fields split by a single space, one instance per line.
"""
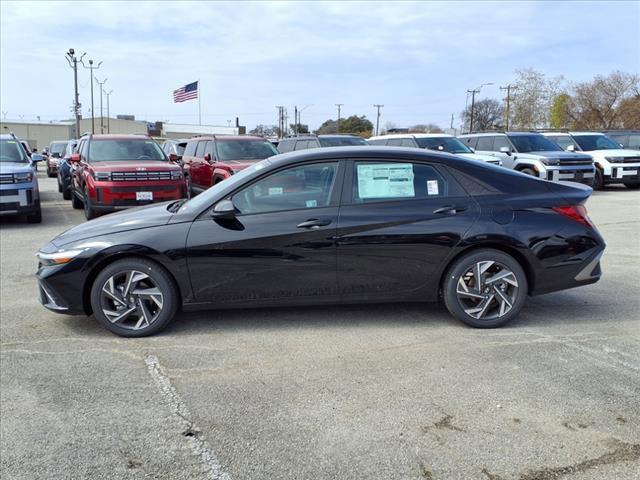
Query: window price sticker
x=432 y=187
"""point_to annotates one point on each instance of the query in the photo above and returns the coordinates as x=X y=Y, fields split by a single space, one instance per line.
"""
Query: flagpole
x=199 y=105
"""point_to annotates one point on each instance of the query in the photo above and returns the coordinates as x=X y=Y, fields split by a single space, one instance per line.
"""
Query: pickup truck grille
x=628 y=160
x=139 y=176
x=6 y=178
x=577 y=161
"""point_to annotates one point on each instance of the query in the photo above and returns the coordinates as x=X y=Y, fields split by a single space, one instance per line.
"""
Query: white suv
x=614 y=164
x=533 y=154
x=440 y=142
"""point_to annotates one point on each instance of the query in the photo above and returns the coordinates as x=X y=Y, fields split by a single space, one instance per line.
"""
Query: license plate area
x=141 y=196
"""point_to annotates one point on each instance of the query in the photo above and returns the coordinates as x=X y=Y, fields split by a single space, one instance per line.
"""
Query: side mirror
x=207 y=157
x=224 y=210
x=75 y=157
x=174 y=158
x=506 y=150
x=36 y=157
x=571 y=148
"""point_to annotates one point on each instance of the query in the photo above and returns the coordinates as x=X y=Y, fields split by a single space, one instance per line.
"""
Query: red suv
x=209 y=160
x=113 y=172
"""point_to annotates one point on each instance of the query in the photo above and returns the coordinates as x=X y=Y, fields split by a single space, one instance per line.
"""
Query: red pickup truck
x=113 y=172
x=209 y=160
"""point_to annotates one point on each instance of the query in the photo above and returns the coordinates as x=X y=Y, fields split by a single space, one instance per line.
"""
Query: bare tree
x=426 y=128
x=487 y=114
x=533 y=99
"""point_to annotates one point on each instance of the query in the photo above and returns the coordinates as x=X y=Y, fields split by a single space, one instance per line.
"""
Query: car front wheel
x=134 y=297
x=485 y=288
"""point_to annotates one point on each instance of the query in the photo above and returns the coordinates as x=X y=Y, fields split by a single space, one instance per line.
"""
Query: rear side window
x=378 y=141
x=285 y=145
x=302 y=145
x=395 y=142
x=190 y=150
x=485 y=143
x=391 y=181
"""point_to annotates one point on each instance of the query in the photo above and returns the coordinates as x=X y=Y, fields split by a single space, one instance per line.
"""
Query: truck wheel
x=529 y=171
x=89 y=212
x=598 y=180
x=35 y=217
x=75 y=201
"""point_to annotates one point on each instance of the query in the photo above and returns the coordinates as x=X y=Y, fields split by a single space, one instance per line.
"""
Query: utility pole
x=101 y=114
x=378 y=117
x=92 y=68
x=451 y=122
x=280 y=120
x=508 y=88
x=108 y=114
x=339 y=105
x=73 y=63
x=295 y=120
x=473 y=102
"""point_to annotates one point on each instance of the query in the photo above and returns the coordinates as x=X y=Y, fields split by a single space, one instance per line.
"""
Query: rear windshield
x=533 y=143
x=124 y=149
x=57 y=147
x=12 y=151
x=595 y=142
x=244 y=149
x=448 y=144
x=342 y=141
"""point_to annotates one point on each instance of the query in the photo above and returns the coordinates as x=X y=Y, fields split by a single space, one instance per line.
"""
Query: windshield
x=124 y=149
x=342 y=141
x=596 y=142
x=205 y=199
x=57 y=147
x=244 y=149
x=71 y=146
x=448 y=144
x=11 y=151
x=533 y=143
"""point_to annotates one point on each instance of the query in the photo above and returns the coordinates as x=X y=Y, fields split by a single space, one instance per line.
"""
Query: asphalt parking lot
x=360 y=392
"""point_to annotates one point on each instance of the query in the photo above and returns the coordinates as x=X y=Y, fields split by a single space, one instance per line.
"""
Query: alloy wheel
x=131 y=300
x=487 y=290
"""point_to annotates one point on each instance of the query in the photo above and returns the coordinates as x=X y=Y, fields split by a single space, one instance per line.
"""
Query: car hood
x=620 y=152
x=562 y=155
x=131 y=219
x=134 y=166
x=238 y=165
x=478 y=156
x=15 y=167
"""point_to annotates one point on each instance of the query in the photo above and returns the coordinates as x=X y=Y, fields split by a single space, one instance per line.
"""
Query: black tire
x=75 y=201
x=59 y=186
x=158 y=275
x=50 y=174
x=632 y=186
x=529 y=171
x=461 y=266
x=35 y=217
x=89 y=212
x=598 y=180
x=66 y=193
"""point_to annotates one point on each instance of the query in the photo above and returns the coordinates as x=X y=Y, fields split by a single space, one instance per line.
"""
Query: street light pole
x=93 y=117
x=339 y=105
x=473 y=102
x=73 y=63
x=378 y=118
x=101 y=114
x=108 y=115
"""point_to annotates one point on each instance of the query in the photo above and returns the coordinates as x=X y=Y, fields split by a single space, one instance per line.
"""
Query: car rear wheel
x=66 y=193
x=485 y=288
x=75 y=201
x=134 y=297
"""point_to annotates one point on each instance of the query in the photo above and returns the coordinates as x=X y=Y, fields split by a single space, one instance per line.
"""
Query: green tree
x=559 y=115
x=300 y=128
x=357 y=125
x=328 y=127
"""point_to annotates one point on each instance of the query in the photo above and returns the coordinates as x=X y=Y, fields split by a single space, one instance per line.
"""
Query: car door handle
x=450 y=209
x=315 y=223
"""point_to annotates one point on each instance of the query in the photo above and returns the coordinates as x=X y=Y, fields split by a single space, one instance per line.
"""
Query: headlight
x=58 y=258
x=23 y=177
x=176 y=175
x=611 y=159
x=101 y=176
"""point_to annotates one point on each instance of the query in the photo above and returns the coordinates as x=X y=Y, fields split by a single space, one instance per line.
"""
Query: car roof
x=337 y=135
x=6 y=136
x=586 y=133
x=485 y=134
x=116 y=136
x=226 y=137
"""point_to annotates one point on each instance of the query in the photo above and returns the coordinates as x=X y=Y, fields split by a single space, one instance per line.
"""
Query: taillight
x=575 y=212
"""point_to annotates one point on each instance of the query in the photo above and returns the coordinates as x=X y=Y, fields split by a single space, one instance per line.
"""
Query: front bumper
x=623 y=172
x=570 y=173
x=109 y=197
x=17 y=201
x=61 y=287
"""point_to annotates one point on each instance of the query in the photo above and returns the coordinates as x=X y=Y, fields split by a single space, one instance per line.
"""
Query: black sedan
x=326 y=226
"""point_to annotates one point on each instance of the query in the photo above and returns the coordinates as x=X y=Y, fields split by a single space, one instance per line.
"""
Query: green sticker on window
x=386 y=180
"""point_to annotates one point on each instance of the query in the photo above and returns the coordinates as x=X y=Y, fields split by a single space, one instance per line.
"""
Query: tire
x=35 y=217
x=529 y=171
x=66 y=193
x=598 y=180
x=50 y=174
x=632 y=186
x=159 y=309
x=59 y=186
x=89 y=212
x=464 y=306
x=75 y=201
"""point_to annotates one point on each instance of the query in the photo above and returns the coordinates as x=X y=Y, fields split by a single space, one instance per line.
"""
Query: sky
x=417 y=59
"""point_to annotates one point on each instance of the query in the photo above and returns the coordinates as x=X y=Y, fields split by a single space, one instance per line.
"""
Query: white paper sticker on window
x=276 y=191
x=432 y=187
x=385 y=180
x=312 y=203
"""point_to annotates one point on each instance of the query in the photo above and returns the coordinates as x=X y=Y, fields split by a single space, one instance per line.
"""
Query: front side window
x=378 y=141
x=533 y=143
x=595 y=142
x=190 y=150
x=634 y=141
x=501 y=142
x=244 y=149
x=202 y=145
x=125 y=149
x=563 y=141
x=12 y=151
x=443 y=144
x=382 y=181
x=302 y=187
x=470 y=141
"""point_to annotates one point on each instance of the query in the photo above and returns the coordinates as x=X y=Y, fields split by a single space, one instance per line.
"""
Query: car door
x=507 y=158
x=198 y=167
x=398 y=223
x=280 y=245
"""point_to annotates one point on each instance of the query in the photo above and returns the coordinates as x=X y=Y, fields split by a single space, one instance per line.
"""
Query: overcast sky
x=417 y=59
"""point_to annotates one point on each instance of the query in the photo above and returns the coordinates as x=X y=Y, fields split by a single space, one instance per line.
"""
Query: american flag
x=188 y=92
